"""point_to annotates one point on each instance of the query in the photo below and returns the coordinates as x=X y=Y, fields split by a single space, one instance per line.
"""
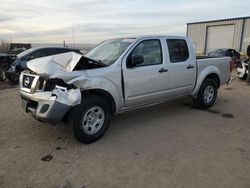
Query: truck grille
x=31 y=83
x=27 y=81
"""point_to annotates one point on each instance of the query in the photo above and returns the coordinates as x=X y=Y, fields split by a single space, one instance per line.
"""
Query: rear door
x=146 y=82
x=182 y=67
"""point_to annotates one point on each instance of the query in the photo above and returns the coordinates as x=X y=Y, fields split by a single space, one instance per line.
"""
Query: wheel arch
x=214 y=77
x=104 y=94
x=101 y=86
x=211 y=72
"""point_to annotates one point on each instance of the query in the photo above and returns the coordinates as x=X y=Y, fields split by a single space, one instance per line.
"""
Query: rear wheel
x=91 y=119
x=207 y=94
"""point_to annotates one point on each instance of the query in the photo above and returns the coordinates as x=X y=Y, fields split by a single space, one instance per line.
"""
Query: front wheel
x=91 y=119
x=207 y=94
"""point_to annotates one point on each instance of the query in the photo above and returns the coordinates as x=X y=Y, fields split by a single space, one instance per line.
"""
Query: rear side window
x=178 y=50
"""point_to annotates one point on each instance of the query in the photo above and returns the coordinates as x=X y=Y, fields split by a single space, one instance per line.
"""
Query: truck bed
x=205 y=57
x=221 y=65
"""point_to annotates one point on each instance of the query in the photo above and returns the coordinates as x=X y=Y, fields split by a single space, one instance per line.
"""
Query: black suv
x=5 y=62
x=235 y=56
x=20 y=64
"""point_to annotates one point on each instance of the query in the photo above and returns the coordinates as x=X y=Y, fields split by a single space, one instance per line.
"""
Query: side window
x=149 y=50
x=42 y=53
x=55 y=51
x=33 y=55
x=178 y=50
x=60 y=50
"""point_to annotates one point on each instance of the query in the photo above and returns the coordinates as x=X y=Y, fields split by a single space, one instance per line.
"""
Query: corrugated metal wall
x=246 y=35
x=198 y=33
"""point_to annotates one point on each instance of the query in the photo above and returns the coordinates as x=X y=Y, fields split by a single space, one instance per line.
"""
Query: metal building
x=227 y=33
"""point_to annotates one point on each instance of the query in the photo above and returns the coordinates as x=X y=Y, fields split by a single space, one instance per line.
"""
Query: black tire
x=203 y=101
x=244 y=77
x=79 y=113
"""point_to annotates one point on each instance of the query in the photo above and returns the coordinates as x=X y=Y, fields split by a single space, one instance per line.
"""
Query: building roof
x=219 y=20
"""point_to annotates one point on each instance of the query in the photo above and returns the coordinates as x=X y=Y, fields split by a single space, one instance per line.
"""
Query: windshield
x=109 y=51
x=25 y=52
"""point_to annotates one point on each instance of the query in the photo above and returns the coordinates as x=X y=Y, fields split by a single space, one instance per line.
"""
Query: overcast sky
x=52 y=21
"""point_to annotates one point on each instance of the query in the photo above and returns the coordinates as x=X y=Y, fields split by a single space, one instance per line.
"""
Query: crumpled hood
x=55 y=64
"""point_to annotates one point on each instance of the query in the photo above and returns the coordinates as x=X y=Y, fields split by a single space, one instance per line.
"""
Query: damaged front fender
x=70 y=97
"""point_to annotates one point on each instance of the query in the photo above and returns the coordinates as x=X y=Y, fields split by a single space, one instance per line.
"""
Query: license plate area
x=29 y=106
x=25 y=104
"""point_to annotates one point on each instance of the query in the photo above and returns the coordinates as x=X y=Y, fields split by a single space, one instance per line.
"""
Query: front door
x=148 y=81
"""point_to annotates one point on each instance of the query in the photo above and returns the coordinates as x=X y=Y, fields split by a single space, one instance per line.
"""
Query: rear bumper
x=44 y=108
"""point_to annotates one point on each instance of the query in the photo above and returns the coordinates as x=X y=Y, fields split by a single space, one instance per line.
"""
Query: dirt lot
x=168 y=145
x=4 y=85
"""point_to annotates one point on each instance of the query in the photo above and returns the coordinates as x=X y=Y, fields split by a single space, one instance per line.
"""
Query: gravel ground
x=168 y=145
x=4 y=85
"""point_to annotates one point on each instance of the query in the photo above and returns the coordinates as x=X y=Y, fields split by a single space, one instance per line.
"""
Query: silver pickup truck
x=116 y=76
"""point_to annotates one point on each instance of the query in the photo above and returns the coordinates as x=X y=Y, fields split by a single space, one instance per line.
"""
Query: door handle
x=190 y=67
x=162 y=70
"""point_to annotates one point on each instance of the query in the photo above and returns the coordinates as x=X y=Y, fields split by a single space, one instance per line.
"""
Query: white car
x=242 y=69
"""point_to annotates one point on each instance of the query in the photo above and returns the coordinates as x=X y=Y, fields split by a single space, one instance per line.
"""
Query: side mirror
x=135 y=60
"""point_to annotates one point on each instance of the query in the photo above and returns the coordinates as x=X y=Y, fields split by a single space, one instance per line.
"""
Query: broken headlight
x=52 y=83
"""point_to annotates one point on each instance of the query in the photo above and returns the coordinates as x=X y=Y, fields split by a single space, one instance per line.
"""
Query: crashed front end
x=47 y=99
x=46 y=88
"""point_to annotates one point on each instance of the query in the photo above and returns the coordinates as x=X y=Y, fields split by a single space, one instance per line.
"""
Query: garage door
x=219 y=37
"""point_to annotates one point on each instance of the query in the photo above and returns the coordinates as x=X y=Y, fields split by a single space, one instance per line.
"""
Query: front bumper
x=47 y=106
x=44 y=107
